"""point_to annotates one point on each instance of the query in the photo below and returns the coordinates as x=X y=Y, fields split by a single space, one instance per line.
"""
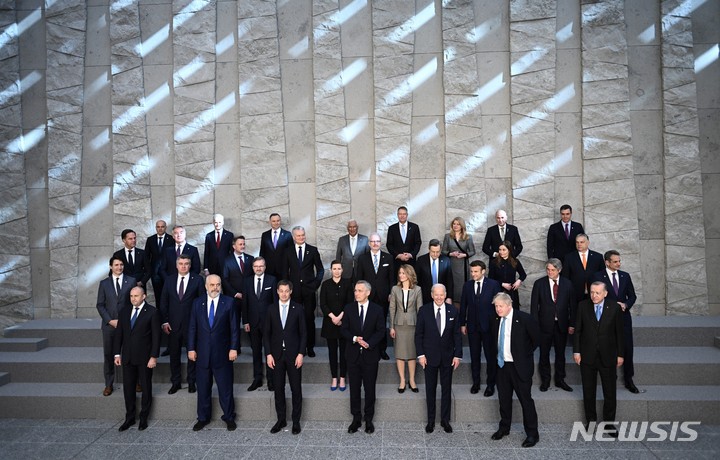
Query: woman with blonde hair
x=405 y=301
x=458 y=245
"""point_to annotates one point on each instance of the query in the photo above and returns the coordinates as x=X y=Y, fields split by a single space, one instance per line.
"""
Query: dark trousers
x=431 y=378
x=477 y=341
x=628 y=367
x=132 y=375
x=608 y=375
x=285 y=364
x=508 y=381
x=333 y=345
x=223 y=375
x=557 y=338
x=108 y=333
x=176 y=341
x=256 y=344
x=362 y=374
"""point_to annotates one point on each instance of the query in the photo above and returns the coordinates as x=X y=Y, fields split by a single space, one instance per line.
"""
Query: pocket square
x=386 y=265
x=451 y=319
x=267 y=288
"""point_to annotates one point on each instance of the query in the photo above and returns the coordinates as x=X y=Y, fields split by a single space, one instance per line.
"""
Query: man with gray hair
x=218 y=245
x=349 y=249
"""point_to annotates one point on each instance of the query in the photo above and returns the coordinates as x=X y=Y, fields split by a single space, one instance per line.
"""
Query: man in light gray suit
x=349 y=248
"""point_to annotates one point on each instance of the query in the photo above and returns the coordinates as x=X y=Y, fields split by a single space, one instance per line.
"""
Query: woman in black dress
x=508 y=271
x=335 y=293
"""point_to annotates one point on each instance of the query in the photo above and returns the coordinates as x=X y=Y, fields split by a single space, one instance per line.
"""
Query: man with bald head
x=153 y=248
x=497 y=234
x=349 y=249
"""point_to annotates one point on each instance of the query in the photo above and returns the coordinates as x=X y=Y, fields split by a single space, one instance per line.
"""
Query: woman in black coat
x=508 y=271
x=335 y=293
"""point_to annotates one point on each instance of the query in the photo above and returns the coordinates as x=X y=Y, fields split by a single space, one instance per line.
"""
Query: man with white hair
x=218 y=245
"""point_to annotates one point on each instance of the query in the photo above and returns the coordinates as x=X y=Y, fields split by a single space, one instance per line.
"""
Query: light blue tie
x=376 y=263
x=434 y=271
x=134 y=317
x=501 y=345
x=284 y=315
x=211 y=316
x=403 y=232
x=598 y=311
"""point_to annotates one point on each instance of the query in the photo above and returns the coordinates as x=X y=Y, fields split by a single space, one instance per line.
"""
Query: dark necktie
x=478 y=288
x=117 y=286
x=134 y=317
x=555 y=290
x=299 y=255
x=177 y=251
x=242 y=264
x=217 y=240
x=160 y=240
x=211 y=316
x=438 y=320
x=362 y=317
x=130 y=259
x=616 y=287
x=567 y=231
x=181 y=289
x=258 y=289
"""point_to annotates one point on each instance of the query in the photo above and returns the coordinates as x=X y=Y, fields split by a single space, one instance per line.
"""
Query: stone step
x=671 y=403
x=23 y=344
x=4 y=378
x=653 y=366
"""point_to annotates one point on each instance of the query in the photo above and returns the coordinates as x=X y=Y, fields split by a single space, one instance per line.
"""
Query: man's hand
x=238 y=295
x=270 y=361
x=362 y=343
x=113 y=323
x=620 y=361
x=232 y=356
x=247 y=327
x=463 y=330
x=166 y=328
x=392 y=332
x=152 y=362
x=577 y=358
x=571 y=330
x=623 y=306
x=456 y=363
x=118 y=361
x=422 y=361
x=299 y=360
x=192 y=355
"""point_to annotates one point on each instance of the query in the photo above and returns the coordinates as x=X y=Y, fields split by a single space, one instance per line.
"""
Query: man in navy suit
x=363 y=327
x=153 y=248
x=561 y=235
x=171 y=253
x=580 y=265
x=285 y=336
x=213 y=342
x=113 y=296
x=273 y=243
x=620 y=288
x=403 y=239
x=434 y=268
x=516 y=335
x=137 y=346
x=259 y=295
x=349 y=249
x=302 y=267
x=236 y=268
x=476 y=316
x=439 y=347
x=552 y=304
x=135 y=260
x=499 y=233
x=218 y=246
x=179 y=294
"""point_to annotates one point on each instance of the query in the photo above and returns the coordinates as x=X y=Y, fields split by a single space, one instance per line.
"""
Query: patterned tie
x=131 y=263
x=438 y=321
x=217 y=240
x=376 y=262
x=584 y=261
x=211 y=316
x=434 y=272
x=284 y=315
x=181 y=289
x=501 y=344
x=242 y=264
x=117 y=286
x=136 y=310
x=616 y=287
x=567 y=231
x=299 y=255
x=598 y=311
x=502 y=233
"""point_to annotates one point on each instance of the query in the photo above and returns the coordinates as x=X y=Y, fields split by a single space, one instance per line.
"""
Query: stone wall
x=115 y=114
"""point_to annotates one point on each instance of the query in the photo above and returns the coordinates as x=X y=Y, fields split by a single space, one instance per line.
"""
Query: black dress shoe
x=192 y=388
x=271 y=387
x=255 y=385
x=173 y=389
x=563 y=385
x=384 y=356
x=127 y=424
x=231 y=425
x=414 y=389
x=311 y=353
x=499 y=434
x=279 y=425
x=529 y=441
x=401 y=390
x=631 y=387
x=369 y=427
x=143 y=425
x=475 y=388
x=489 y=391
x=429 y=428
x=296 y=428
x=544 y=386
x=354 y=426
x=200 y=424
x=446 y=426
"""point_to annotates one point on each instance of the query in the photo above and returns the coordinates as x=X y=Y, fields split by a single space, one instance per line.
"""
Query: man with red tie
x=218 y=245
x=561 y=235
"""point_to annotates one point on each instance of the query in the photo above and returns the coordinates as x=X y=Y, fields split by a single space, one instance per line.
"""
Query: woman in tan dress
x=458 y=245
x=405 y=301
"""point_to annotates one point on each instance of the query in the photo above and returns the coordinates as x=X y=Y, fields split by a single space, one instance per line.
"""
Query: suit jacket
x=254 y=308
x=412 y=243
x=306 y=276
x=141 y=269
x=213 y=344
x=424 y=276
x=398 y=316
x=372 y=330
x=174 y=311
x=544 y=309
x=214 y=257
x=580 y=278
x=603 y=338
x=626 y=290
x=347 y=259
x=109 y=304
x=153 y=251
x=136 y=345
x=293 y=335
x=524 y=339
x=233 y=280
x=382 y=281
x=478 y=311
x=492 y=240
x=558 y=245
x=439 y=350
x=168 y=259
x=274 y=255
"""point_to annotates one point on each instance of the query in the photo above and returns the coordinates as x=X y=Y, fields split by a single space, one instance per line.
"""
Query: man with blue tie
x=285 y=339
x=213 y=342
x=434 y=268
x=439 y=347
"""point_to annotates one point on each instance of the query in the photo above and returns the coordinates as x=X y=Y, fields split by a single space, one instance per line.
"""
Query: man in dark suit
x=218 y=246
x=552 y=303
x=619 y=287
x=179 y=294
x=598 y=348
x=499 y=233
x=137 y=346
x=260 y=293
x=515 y=335
x=439 y=347
x=213 y=342
x=363 y=327
x=376 y=267
x=285 y=336
x=135 y=260
x=273 y=243
x=113 y=296
x=561 y=235
x=433 y=268
x=171 y=253
x=304 y=269
x=349 y=249
x=403 y=239
x=580 y=265
x=477 y=314
x=236 y=268
x=153 y=248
